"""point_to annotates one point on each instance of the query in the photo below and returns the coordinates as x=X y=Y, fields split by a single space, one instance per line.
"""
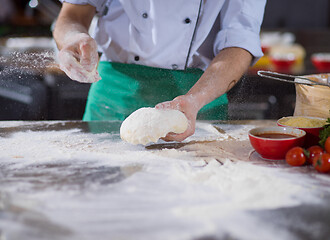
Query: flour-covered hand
x=187 y=105
x=78 y=58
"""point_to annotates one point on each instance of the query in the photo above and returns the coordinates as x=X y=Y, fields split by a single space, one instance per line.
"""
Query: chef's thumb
x=164 y=105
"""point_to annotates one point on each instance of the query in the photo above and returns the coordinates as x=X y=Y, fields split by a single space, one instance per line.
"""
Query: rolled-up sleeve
x=240 y=26
x=98 y=4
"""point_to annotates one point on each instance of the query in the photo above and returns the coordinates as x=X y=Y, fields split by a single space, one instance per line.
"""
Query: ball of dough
x=147 y=125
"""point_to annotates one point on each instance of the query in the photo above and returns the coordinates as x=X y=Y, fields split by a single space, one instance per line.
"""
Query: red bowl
x=312 y=133
x=282 y=62
x=321 y=61
x=265 y=49
x=275 y=148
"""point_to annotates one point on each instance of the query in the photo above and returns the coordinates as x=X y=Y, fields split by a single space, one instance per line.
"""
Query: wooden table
x=78 y=180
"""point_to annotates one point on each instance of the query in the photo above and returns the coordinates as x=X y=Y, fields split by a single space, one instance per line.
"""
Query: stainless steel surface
x=78 y=180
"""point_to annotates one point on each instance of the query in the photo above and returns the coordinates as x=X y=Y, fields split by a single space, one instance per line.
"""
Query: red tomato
x=295 y=156
x=322 y=163
x=312 y=152
x=327 y=145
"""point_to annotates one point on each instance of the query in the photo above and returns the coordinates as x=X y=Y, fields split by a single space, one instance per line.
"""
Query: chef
x=179 y=54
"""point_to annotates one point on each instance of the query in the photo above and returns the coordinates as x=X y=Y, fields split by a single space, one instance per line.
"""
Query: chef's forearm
x=223 y=73
x=73 y=19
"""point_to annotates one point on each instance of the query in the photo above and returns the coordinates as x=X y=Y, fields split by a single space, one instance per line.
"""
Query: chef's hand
x=187 y=105
x=78 y=58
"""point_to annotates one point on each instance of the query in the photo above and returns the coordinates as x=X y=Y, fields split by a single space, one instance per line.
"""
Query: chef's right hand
x=188 y=105
x=78 y=58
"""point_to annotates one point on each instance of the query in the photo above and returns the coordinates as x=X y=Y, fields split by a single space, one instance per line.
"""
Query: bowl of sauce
x=274 y=142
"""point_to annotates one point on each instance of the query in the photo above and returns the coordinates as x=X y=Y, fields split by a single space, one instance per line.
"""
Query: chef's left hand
x=188 y=106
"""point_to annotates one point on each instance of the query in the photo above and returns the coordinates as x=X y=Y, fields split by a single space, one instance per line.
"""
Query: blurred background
x=295 y=38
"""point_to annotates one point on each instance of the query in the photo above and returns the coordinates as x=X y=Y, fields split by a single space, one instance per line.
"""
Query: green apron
x=125 y=88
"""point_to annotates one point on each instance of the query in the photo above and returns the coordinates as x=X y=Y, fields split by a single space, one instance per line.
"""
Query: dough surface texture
x=147 y=125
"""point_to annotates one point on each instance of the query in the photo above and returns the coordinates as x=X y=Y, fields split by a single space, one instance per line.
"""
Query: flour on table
x=147 y=125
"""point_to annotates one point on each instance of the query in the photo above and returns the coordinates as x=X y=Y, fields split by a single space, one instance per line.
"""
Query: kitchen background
x=33 y=88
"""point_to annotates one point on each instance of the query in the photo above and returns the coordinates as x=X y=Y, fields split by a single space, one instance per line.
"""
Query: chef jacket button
x=136 y=58
x=174 y=66
x=145 y=15
x=187 y=20
x=105 y=11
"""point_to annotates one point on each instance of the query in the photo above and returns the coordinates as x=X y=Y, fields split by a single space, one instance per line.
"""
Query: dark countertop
x=78 y=180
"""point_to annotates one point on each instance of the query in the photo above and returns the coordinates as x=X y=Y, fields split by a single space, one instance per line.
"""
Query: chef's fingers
x=165 y=105
x=69 y=64
x=84 y=76
x=74 y=70
x=88 y=55
x=179 y=103
x=174 y=137
x=178 y=137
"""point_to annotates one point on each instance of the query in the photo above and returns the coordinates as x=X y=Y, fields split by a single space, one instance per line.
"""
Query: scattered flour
x=207 y=132
x=177 y=199
x=27 y=62
x=6 y=124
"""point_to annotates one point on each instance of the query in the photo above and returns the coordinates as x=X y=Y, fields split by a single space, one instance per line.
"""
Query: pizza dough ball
x=147 y=125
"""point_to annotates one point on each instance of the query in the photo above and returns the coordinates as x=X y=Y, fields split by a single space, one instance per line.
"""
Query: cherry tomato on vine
x=295 y=156
x=312 y=152
x=327 y=145
x=322 y=163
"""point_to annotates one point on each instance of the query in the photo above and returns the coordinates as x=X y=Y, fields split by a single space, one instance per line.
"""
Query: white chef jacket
x=175 y=34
